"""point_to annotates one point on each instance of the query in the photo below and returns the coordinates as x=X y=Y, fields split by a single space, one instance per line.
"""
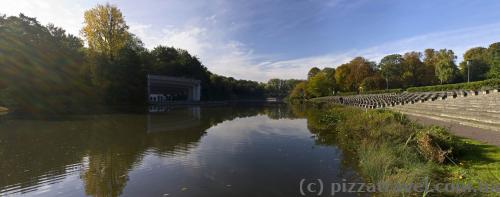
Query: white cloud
x=226 y=56
x=458 y=40
x=66 y=14
x=232 y=58
x=221 y=55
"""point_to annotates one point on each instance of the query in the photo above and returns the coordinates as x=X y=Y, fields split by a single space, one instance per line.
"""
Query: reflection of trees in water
x=107 y=173
x=114 y=146
x=320 y=123
x=281 y=111
x=32 y=151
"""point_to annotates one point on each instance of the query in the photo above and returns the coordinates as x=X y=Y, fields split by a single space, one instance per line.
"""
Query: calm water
x=211 y=151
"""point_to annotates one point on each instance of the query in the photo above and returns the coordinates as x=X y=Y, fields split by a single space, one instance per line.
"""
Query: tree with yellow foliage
x=105 y=30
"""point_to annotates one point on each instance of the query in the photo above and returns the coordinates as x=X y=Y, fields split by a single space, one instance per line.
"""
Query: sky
x=264 y=39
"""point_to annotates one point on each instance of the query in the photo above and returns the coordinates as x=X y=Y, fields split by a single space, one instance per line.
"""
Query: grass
x=478 y=163
x=392 y=149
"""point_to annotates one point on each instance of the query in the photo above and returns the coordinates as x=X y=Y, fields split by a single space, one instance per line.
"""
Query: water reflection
x=184 y=151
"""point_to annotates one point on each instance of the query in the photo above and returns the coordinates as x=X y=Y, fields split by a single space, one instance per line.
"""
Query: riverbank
x=392 y=148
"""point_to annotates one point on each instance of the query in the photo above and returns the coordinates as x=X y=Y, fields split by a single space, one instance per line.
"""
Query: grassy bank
x=392 y=149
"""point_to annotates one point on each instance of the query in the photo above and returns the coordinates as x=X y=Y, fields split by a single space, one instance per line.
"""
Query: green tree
x=330 y=72
x=105 y=30
x=39 y=66
x=445 y=66
x=299 y=91
x=320 y=85
x=475 y=59
x=312 y=72
x=330 y=75
x=374 y=82
x=391 y=68
x=341 y=74
x=413 y=70
x=280 y=87
x=494 y=60
x=429 y=71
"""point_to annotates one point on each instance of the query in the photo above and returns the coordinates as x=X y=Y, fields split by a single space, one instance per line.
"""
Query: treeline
x=280 y=88
x=44 y=68
x=412 y=69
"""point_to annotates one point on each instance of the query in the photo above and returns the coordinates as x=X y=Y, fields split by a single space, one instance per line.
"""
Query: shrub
x=430 y=149
x=477 y=85
x=437 y=144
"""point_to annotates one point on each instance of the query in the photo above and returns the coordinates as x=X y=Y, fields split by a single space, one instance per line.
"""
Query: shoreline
x=409 y=148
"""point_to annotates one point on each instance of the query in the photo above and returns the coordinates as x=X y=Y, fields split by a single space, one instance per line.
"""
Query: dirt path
x=482 y=135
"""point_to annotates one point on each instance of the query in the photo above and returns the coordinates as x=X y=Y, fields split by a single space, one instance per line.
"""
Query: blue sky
x=262 y=39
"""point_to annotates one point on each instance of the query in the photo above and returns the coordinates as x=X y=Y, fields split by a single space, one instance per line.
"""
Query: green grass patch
x=477 y=163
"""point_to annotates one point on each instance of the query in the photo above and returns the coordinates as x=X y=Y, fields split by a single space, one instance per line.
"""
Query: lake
x=189 y=151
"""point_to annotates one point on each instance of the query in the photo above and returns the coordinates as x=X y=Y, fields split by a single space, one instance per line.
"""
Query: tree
x=341 y=74
x=413 y=69
x=494 y=60
x=475 y=59
x=39 y=66
x=280 y=87
x=429 y=71
x=391 y=68
x=125 y=76
x=330 y=75
x=360 y=68
x=445 y=66
x=105 y=30
x=375 y=82
x=320 y=85
x=330 y=72
x=299 y=91
x=312 y=72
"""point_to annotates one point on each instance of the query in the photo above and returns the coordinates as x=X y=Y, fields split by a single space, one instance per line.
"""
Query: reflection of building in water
x=173 y=120
x=158 y=108
x=157 y=98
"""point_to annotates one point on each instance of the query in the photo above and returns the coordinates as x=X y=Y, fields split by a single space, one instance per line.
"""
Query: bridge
x=162 y=89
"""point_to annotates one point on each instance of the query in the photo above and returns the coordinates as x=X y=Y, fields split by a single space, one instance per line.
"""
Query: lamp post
x=468 y=71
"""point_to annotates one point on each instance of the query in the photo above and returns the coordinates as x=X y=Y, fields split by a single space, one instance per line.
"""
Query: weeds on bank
x=392 y=149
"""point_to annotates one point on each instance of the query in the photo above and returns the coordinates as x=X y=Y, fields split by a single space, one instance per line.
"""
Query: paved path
x=483 y=135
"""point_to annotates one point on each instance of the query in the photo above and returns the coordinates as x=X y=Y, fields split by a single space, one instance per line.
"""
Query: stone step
x=471 y=100
x=484 y=117
x=495 y=127
x=468 y=108
x=495 y=97
x=489 y=116
x=479 y=104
